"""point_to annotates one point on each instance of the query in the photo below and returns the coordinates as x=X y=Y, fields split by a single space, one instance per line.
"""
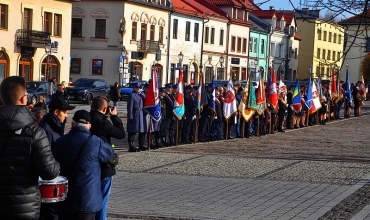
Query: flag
x=297 y=105
x=308 y=98
x=273 y=96
x=152 y=103
x=261 y=96
x=246 y=112
x=212 y=96
x=347 y=90
x=316 y=104
x=333 y=86
x=178 y=106
x=229 y=107
x=282 y=88
x=319 y=88
x=252 y=104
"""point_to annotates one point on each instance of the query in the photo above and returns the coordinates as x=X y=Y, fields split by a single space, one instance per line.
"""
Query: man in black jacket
x=61 y=93
x=25 y=154
x=103 y=128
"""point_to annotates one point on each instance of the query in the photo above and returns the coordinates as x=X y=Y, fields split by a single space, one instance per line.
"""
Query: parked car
x=35 y=89
x=127 y=89
x=84 y=90
x=244 y=83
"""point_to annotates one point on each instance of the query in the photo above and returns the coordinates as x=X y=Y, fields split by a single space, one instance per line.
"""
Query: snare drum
x=54 y=190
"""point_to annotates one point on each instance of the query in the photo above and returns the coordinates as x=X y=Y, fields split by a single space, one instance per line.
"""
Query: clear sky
x=279 y=4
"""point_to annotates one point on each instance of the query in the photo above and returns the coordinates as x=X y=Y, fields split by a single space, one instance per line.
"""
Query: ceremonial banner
x=212 y=98
x=152 y=103
x=261 y=96
x=316 y=104
x=229 y=107
x=273 y=96
x=333 y=86
x=308 y=98
x=297 y=105
x=246 y=112
x=178 y=107
x=347 y=90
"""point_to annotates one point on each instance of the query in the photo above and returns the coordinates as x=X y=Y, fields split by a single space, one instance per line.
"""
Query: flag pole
x=177 y=131
x=227 y=129
x=149 y=133
x=196 y=127
x=243 y=128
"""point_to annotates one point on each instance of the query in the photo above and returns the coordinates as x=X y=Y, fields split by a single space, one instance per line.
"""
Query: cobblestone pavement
x=319 y=172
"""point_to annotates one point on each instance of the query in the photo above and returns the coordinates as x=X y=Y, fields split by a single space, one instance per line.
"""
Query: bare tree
x=330 y=16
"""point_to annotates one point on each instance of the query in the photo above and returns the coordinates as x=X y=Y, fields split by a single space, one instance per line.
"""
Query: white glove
x=215 y=117
x=193 y=118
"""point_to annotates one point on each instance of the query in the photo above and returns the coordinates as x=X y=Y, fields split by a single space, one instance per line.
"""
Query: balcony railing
x=32 y=38
x=147 y=46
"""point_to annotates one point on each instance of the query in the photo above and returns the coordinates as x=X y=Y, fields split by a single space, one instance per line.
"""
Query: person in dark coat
x=53 y=123
x=105 y=129
x=84 y=198
x=114 y=94
x=217 y=121
x=60 y=93
x=170 y=118
x=281 y=111
x=25 y=156
x=41 y=103
x=190 y=111
x=136 y=121
x=162 y=132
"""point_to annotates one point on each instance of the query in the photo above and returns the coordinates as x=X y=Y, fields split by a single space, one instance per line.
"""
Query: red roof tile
x=358 y=18
x=226 y=2
x=207 y=8
x=183 y=7
x=264 y=13
x=289 y=16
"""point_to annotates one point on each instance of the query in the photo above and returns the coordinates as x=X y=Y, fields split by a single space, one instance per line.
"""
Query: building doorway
x=50 y=68
x=25 y=68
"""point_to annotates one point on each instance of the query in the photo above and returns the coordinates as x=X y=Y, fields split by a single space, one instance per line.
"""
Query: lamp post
x=48 y=52
x=181 y=58
x=221 y=60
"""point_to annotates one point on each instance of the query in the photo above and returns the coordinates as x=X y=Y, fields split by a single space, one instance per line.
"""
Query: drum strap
x=79 y=154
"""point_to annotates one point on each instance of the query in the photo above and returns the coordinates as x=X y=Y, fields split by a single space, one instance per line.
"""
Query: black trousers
x=79 y=216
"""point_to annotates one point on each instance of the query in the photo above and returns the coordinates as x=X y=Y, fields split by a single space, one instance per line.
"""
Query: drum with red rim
x=54 y=190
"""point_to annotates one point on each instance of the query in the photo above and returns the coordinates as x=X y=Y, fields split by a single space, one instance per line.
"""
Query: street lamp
x=221 y=60
x=181 y=58
x=48 y=52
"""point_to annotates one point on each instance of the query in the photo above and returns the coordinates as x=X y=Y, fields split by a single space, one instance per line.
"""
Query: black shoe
x=133 y=149
x=230 y=137
x=296 y=127
x=281 y=130
x=153 y=147
x=323 y=123
x=143 y=148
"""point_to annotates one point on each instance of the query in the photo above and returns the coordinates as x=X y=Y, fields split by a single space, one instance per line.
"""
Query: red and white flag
x=178 y=106
x=273 y=96
x=316 y=104
x=229 y=107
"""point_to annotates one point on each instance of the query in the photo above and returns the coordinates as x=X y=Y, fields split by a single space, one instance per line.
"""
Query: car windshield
x=83 y=83
x=129 y=85
x=32 y=85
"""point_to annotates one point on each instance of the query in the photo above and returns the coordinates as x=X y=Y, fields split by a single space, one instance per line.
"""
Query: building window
x=239 y=44
x=221 y=37
x=27 y=19
x=134 y=31
x=196 y=32
x=318 y=53
x=281 y=50
x=97 y=67
x=244 y=45
x=335 y=38
x=160 y=35
x=209 y=73
x=339 y=39
x=152 y=32
x=330 y=36
x=75 y=66
x=250 y=44
x=100 y=28
x=235 y=16
x=262 y=46
x=3 y=16
x=25 y=68
x=143 y=32
x=206 y=35
x=187 y=31
x=4 y=66
x=76 y=27
x=329 y=54
x=175 y=25
x=273 y=49
x=339 y=57
x=47 y=22
x=333 y=55
x=233 y=41
x=212 y=35
x=255 y=45
x=323 y=54
x=57 y=25
x=319 y=34
x=325 y=33
x=50 y=68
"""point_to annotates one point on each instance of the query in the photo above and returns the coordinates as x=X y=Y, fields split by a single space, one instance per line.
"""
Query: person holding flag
x=178 y=106
x=170 y=120
x=190 y=112
x=347 y=95
x=297 y=104
x=229 y=105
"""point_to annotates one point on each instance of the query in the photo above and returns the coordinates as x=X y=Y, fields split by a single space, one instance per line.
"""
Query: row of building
x=120 y=40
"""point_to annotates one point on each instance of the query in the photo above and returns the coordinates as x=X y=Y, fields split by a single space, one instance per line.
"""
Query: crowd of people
x=34 y=144
x=211 y=125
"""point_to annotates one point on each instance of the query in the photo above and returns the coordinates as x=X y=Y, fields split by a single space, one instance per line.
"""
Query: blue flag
x=152 y=103
x=347 y=90
x=212 y=100
x=297 y=105
x=309 y=94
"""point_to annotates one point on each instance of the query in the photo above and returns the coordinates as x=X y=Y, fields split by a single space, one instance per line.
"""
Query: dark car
x=127 y=89
x=35 y=89
x=84 y=90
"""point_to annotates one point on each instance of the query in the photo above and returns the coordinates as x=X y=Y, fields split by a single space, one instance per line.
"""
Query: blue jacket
x=84 y=183
x=53 y=128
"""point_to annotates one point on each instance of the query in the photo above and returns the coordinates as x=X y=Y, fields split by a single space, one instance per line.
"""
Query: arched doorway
x=4 y=66
x=136 y=71
x=209 y=73
x=159 y=69
x=25 y=68
x=50 y=68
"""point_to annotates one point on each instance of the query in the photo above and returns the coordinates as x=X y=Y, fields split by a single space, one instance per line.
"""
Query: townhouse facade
x=322 y=46
x=357 y=45
x=35 y=39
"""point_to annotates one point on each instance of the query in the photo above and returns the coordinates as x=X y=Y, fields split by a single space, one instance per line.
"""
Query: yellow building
x=321 y=47
x=35 y=39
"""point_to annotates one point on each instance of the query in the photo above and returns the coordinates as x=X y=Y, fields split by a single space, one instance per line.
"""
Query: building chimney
x=272 y=8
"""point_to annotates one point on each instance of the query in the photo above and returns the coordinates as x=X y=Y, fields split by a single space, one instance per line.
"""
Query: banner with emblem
x=229 y=107
x=246 y=112
x=178 y=107
x=261 y=96
x=273 y=96
x=297 y=105
x=316 y=104
x=308 y=98
x=152 y=103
